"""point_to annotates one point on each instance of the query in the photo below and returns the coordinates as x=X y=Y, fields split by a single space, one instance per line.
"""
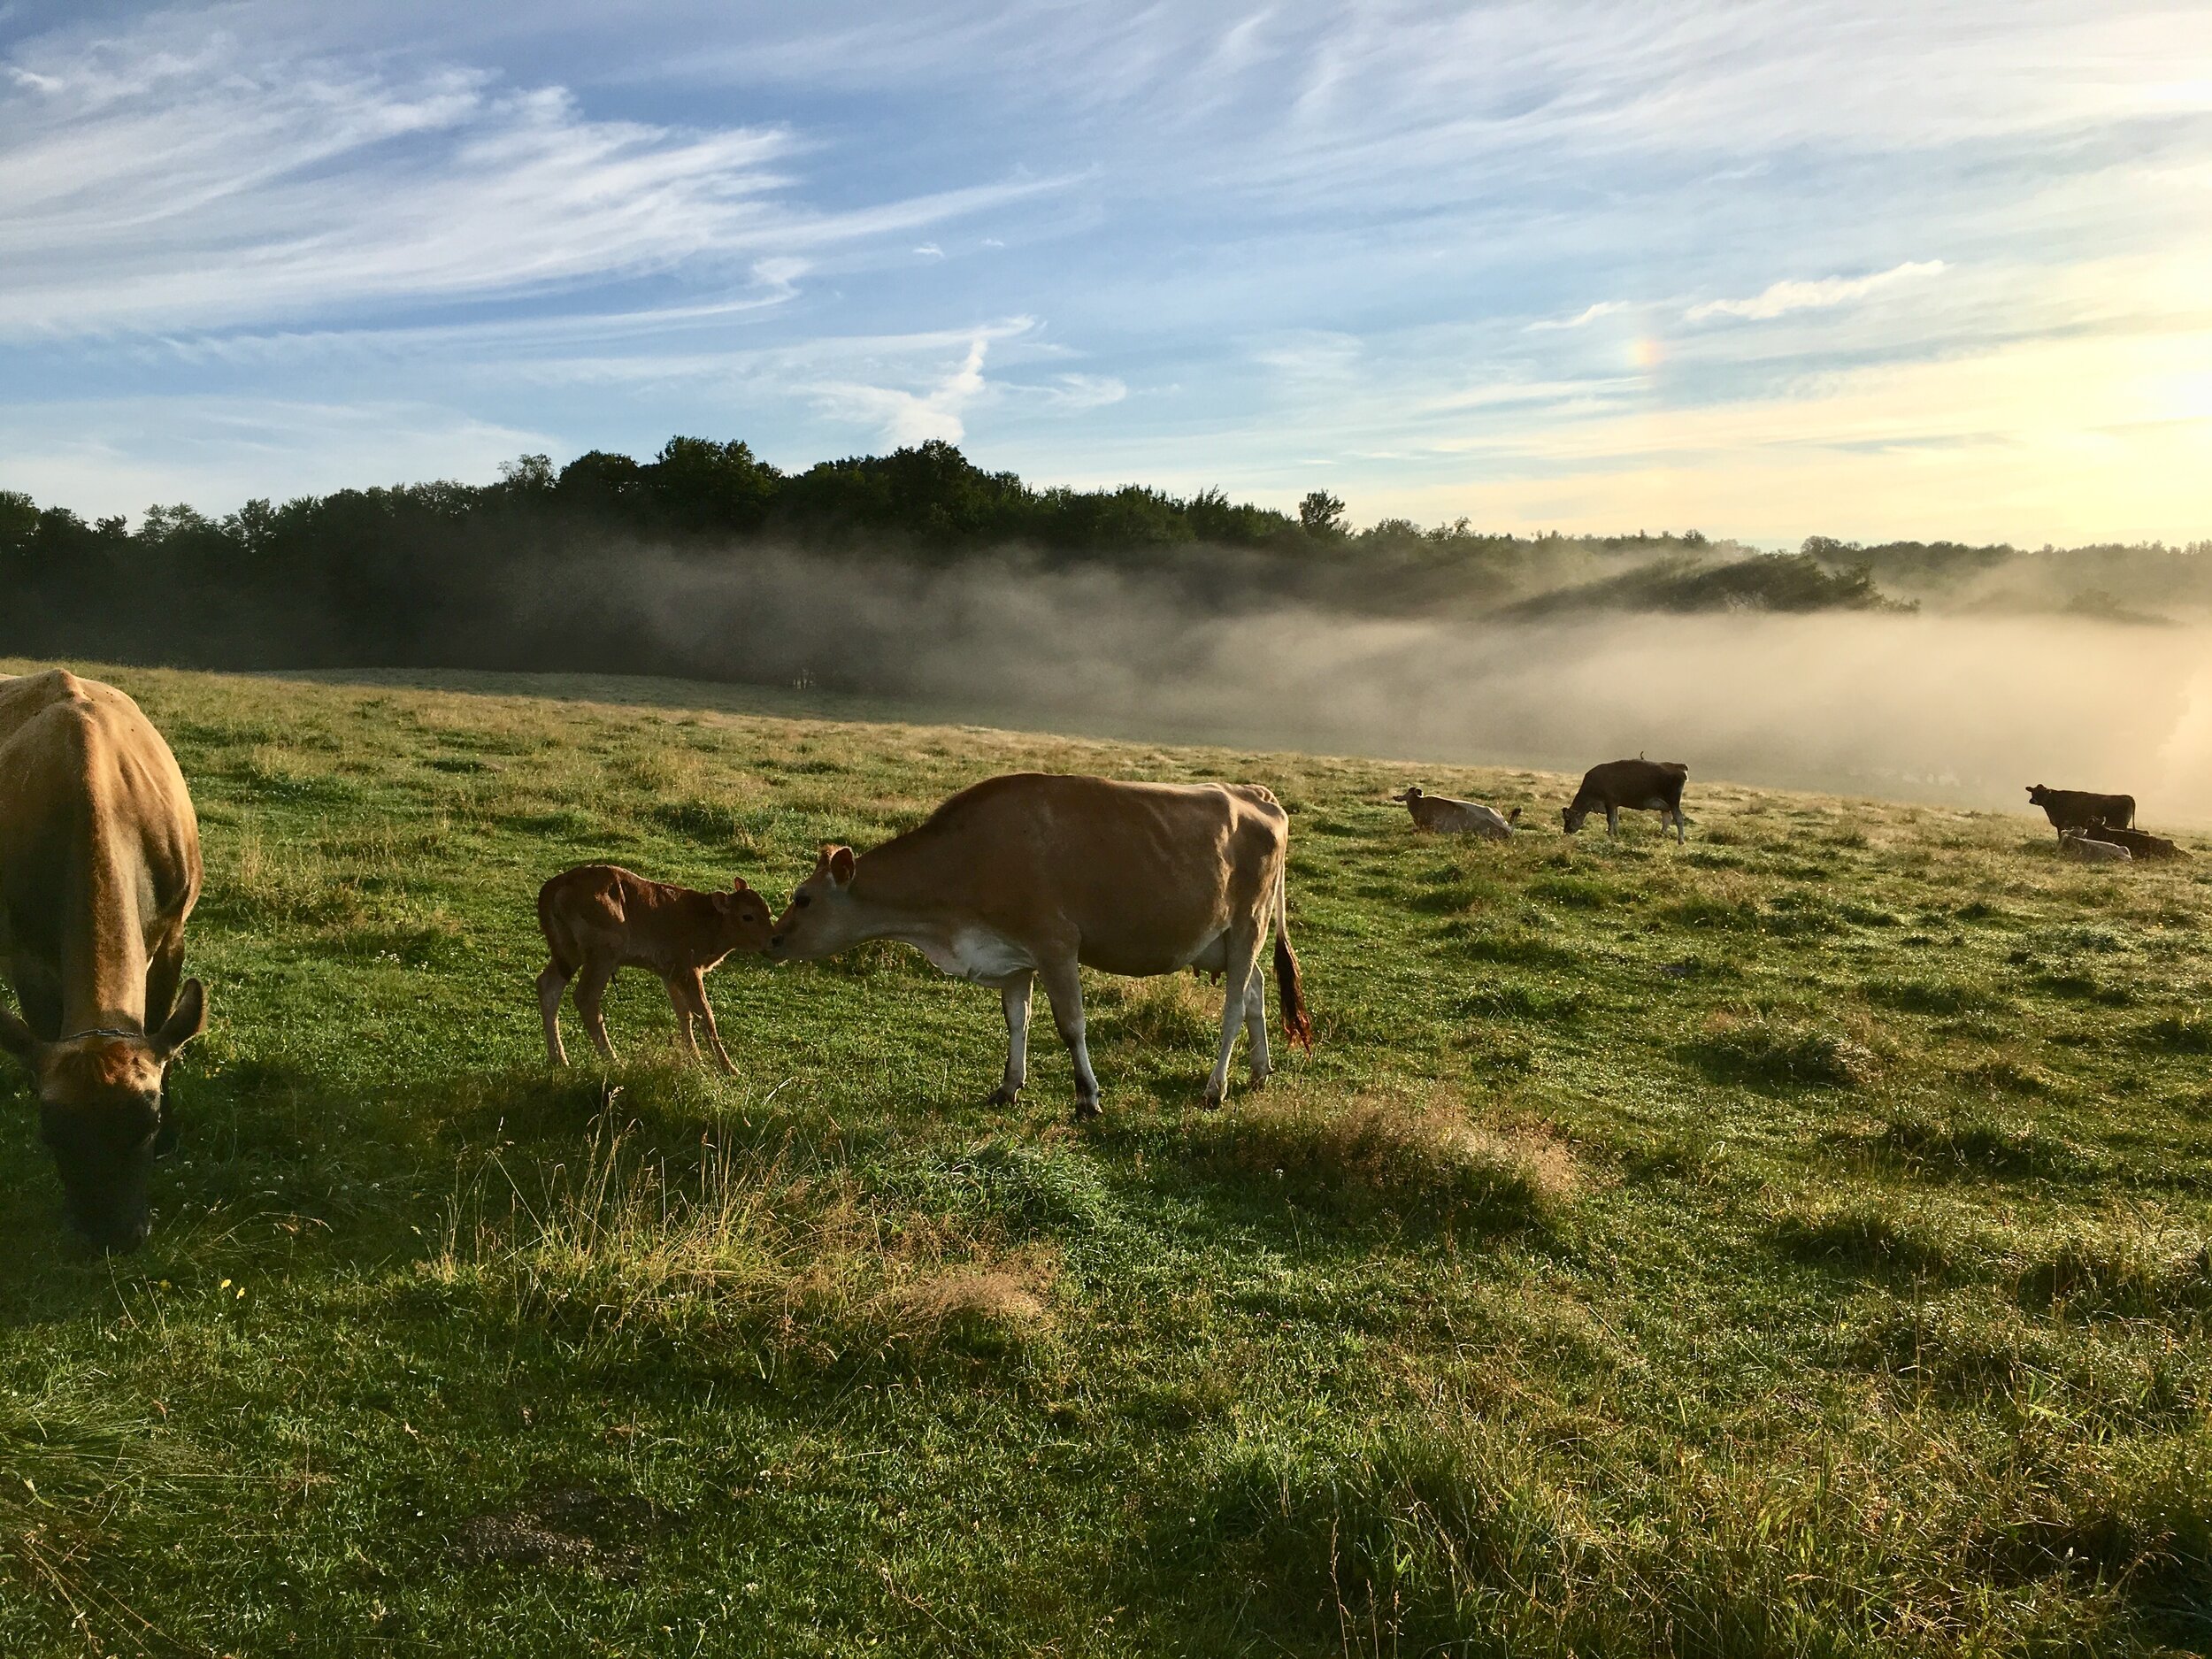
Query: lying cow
x=2074 y=844
x=599 y=918
x=2140 y=842
x=1033 y=876
x=2079 y=810
x=1444 y=816
x=99 y=868
x=1637 y=786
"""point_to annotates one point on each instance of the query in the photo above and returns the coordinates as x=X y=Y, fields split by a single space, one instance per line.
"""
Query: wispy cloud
x=145 y=186
x=1779 y=297
x=1587 y=315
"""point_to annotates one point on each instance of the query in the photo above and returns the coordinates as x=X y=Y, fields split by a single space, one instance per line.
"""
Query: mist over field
x=1957 y=708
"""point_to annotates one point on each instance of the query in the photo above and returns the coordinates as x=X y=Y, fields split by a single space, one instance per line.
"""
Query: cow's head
x=1573 y=817
x=1411 y=793
x=103 y=1111
x=2037 y=796
x=743 y=914
x=820 y=920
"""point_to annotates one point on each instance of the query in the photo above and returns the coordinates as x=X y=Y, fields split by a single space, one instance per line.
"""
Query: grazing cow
x=1444 y=815
x=1638 y=786
x=1029 y=876
x=99 y=868
x=2079 y=810
x=2074 y=844
x=599 y=918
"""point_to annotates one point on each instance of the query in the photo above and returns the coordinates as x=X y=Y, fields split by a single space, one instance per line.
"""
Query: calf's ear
x=737 y=884
x=840 y=863
x=187 y=1018
x=15 y=1036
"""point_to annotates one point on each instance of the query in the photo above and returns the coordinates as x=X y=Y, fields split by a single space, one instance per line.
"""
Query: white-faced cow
x=1635 y=785
x=99 y=868
x=2083 y=810
x=2074 y=844
x=1031 y=876
x=1441 y=815
x=599 y=918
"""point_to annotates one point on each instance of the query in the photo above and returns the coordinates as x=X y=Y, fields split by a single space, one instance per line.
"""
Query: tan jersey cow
x=1027 y=877
x=1442 y=815
x=599 y=918
x=99 y=868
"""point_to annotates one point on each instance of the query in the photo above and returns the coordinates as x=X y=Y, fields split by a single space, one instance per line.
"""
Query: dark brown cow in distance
x=1636 y=786
x=1034 y=876
x=599 y=918
x=99 y=868
x=2079 y=810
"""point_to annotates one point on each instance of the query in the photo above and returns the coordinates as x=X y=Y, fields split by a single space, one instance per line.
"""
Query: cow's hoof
x=1084 y=1110
x=1210 y=1100
x=1005 y=1095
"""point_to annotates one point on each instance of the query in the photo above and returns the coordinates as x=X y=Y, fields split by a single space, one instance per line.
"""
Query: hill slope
x=1794 y=1241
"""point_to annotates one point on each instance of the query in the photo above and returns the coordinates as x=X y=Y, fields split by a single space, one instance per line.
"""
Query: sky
x=1843 y=267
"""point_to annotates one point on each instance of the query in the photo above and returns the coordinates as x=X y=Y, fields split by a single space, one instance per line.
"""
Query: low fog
x=1966 y=709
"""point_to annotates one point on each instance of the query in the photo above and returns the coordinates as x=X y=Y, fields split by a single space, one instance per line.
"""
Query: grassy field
x=1795 y=1241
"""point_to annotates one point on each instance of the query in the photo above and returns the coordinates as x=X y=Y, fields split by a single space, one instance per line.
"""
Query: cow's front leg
x=1612 y=820
x=1063 y=989
x=1013 y=995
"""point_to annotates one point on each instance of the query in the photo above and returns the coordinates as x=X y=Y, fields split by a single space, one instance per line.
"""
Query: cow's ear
x=839 y=861
x=725 y=902
x=737 y=884
x=15 y=1036
x=187 y=1018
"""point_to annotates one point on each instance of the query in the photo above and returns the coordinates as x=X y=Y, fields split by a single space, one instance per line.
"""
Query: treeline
x=545 y=568
x=602 y=564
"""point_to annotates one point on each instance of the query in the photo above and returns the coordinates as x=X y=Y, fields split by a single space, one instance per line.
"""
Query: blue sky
x=1859 y=269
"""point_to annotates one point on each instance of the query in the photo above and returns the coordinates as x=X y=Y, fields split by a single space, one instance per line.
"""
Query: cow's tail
x=1289 y=987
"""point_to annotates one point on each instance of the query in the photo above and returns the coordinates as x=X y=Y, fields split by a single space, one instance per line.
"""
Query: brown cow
x=1638 y=786
x=2081 y=809
x=99 y=868
x=599 y=918
x=1033 y=876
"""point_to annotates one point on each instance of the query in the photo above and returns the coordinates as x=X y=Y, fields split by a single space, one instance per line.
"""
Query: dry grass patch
x=1417 y=1158
x=632 y=1257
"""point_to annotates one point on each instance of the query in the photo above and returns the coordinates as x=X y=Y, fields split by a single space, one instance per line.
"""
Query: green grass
x=1792 y=1242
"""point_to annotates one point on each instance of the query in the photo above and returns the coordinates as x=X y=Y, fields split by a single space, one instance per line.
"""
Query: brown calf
x=599 y=918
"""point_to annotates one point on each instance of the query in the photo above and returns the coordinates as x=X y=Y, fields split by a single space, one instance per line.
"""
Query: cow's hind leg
x=591 y=986
x=1238 y=971
x=1013 y=994
x=1255 y=1026
x=1063 y=989
x=551 y=983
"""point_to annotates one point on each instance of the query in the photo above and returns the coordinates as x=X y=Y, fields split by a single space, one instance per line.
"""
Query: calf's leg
x=551 y=983
x=697 y=991
x=1013 y=995
x=591 y=985
x=1063 y=989
x=680 y=998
